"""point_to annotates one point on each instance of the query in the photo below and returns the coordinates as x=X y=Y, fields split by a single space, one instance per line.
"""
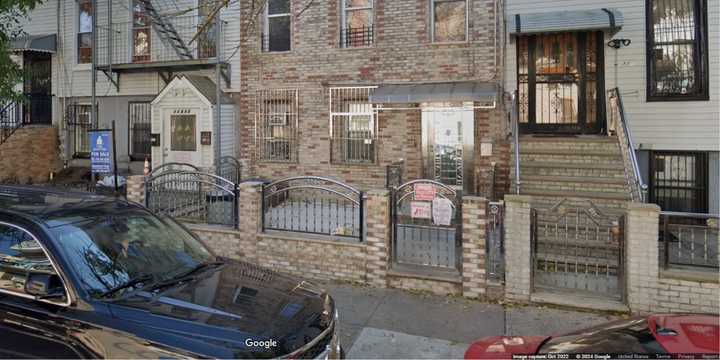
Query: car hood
x=503 y=347
x=215 y=314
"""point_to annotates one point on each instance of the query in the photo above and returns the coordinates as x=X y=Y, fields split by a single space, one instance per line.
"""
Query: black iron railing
x=689 y=240
x=11 y=119
x=193 y=196
x=311 y=204
x=618 y=124
x=355 y=37
x=230 y=168
x=394 y=174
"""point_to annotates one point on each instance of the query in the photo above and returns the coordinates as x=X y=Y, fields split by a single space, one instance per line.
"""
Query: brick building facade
x=322 y=60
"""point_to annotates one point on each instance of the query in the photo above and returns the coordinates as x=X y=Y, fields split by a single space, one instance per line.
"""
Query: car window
x=108 y=251
x=20 y=255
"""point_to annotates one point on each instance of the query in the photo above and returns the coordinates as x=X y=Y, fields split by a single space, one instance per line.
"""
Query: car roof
x=42 y=204
x=687 y=333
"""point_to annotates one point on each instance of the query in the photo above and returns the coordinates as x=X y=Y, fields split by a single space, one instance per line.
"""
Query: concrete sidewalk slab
x=384 y=344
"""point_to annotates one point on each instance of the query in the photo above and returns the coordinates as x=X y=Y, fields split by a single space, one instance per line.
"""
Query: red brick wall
x=402 y=53
x=29 y=155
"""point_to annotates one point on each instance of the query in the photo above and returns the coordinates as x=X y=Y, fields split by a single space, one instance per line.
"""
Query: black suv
x=85 y=276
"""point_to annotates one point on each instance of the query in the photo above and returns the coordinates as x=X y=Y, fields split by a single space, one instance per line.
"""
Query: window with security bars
x=679 y=181
x=139 y=138
x=677 y=50
x=353 y=126
x=80 y=121
x=276 y=125
x=357 y=23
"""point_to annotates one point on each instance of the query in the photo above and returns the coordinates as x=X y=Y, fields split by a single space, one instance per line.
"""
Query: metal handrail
x=640 y=185
x=514 y=109
x=11 y=119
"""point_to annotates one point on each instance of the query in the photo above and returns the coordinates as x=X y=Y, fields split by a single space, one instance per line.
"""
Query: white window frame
x=68 y=301
x=349 y=115
x=266 y=25
x=345 y=9
x=432 y=21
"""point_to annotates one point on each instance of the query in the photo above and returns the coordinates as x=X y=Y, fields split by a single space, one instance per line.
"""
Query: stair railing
x=514 y=123
x=10 y=119
x=618 y=123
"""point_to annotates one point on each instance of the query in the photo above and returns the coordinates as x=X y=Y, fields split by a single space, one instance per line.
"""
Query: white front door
x=181 y=136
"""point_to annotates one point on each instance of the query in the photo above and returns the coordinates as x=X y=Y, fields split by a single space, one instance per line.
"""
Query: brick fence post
x=473 y=246
x=250 y=218
x=641 y=256
x=377 y=210
x=136 y=188
x=517 y=248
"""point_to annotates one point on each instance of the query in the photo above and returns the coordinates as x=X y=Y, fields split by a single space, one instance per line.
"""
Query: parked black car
x=89 y=276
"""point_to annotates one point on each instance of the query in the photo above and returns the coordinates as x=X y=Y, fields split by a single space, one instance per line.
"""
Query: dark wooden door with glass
x=560 y=83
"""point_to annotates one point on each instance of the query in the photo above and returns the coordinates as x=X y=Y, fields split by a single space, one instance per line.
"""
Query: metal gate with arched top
x=427 y=224
x=578 y=248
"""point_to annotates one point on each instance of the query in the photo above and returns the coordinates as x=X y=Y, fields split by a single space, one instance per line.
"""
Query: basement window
x=353 y=126
x=276 y=125
x=276 y=27
x=679 y=181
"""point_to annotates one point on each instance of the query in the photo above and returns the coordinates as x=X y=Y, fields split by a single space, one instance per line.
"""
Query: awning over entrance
x=564 y=21
x=434 y=92
x=40 y=43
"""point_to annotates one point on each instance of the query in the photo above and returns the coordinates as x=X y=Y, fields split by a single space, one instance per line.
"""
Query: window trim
x=78 y=33
x=432 y=22
x=266 y=28
x=133 y=155
x=701 y=41
x=343 y=23
x=701 y=184
x=60 y=274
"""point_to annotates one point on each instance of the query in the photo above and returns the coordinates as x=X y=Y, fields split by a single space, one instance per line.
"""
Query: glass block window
x=677 y=50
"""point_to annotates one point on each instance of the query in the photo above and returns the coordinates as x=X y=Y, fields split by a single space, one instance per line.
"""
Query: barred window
x=677 y=50
x=353 y=126
x=449 y=20
x=276 y=27
x=139 y=138
x=679 y=181
x=80 y=121
x=357 y=23
x=276 y=125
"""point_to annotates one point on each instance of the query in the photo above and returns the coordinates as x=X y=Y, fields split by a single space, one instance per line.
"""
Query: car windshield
x=630 y=336
x=107 y=252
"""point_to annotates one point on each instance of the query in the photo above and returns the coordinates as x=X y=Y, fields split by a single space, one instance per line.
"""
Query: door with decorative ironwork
x=427 y=224
x=579 y=249
x=560 y=82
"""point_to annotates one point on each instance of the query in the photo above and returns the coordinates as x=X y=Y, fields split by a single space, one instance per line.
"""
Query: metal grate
x=689 y=240
x=353 y=126
x=678 y=181
x=139 y=119
x=276 y=125
x=354 y=37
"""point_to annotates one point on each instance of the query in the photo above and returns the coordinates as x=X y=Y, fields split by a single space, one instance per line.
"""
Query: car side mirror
x=44 y=286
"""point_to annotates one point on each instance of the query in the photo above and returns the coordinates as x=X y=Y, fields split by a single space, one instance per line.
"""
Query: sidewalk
x=391 y=323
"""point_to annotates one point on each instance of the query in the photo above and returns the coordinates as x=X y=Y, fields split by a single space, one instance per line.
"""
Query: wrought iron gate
x=427 y=224
x=578 y=249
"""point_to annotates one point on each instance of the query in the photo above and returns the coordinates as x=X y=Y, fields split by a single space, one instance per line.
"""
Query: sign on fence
x=424 y=192
x=442 y=211
x=101 y=151
x=420 y=210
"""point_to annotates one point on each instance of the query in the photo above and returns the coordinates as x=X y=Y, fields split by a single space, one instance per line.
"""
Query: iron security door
x=427 y=224
x=579 y=249
x=560 y=78
x=37 y=87
x=448 y=143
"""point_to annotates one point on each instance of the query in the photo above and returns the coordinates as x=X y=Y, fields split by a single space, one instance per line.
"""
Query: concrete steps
x=580 y=169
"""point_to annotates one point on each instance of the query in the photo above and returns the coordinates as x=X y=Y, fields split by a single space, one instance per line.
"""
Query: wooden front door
x=560 y=83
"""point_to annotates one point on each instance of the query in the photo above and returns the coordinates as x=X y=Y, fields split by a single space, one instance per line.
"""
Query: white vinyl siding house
x=657 y=125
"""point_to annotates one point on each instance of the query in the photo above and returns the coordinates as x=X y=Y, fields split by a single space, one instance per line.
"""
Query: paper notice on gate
x=424 y=192
x=420 y=210
x=442 y=211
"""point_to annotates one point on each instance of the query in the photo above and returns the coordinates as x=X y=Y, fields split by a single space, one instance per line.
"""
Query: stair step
x=577 y=194
x=565 y=165
x=583 y=139
x=572 y=179
x=552 y=151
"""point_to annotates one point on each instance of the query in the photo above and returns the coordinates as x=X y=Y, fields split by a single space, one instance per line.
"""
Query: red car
x=655 y=334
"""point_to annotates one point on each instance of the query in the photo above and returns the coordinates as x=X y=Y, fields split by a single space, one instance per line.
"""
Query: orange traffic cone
x=146 y=170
